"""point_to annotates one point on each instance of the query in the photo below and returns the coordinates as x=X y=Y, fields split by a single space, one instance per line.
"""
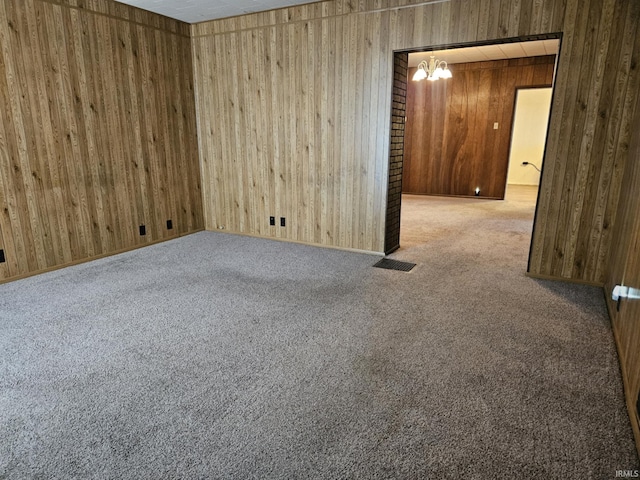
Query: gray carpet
x=219 y=356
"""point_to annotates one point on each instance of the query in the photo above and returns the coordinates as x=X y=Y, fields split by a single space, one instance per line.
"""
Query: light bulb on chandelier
x=432 y=70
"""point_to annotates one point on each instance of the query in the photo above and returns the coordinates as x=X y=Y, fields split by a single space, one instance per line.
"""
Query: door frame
x=396 y=147
x=513 y=124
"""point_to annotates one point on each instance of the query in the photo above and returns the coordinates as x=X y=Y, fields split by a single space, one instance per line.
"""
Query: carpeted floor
x=220 y=356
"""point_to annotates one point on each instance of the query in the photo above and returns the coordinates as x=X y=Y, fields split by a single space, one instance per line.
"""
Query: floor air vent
x=395 y=265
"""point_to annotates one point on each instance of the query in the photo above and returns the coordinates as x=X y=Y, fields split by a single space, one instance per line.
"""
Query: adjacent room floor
x=221 y=356
x=424 y=218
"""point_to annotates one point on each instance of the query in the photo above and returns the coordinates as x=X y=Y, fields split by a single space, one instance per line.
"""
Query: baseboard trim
x=299 y=242
x=564 y=279
x=95 y=257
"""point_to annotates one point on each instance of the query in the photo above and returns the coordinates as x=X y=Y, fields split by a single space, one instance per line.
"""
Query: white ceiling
x=194 y=11
x=489 y=52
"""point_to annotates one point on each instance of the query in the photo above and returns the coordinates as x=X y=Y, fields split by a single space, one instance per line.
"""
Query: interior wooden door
x=629 y=327
x=626 y=324
x=625 y=271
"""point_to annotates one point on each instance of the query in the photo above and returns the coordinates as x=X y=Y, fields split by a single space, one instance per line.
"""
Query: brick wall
x=394 y=193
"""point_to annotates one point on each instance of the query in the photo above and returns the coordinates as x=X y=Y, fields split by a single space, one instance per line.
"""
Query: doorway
x=464 y=172
x=528 y=139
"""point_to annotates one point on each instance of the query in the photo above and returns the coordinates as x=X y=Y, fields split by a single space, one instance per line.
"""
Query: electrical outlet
x=272 y=221
x=143 y=230
x=169 y=225
x=283 y=222
x=2 y=258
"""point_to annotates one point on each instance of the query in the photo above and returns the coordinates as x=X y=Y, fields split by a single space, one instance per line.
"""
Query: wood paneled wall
x=596 y=88
x=451 y=146
x=289 y=123
x=624 y=269
x=294 y=116
x=97 y=132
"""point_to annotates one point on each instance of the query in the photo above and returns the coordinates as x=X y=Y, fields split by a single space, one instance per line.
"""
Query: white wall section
x=530 y=122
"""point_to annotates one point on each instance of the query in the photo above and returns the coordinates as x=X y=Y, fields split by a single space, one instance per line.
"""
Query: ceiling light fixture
x=433 y=70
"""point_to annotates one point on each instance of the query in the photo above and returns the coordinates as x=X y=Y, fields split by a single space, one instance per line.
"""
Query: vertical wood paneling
x=617 y=105
x=577 y=162
x=587 y=136
x=450 y=144
x=97 y=132
x=314 y=165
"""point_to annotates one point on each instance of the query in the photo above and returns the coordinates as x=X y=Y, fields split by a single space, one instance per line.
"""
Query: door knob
x=620 y=291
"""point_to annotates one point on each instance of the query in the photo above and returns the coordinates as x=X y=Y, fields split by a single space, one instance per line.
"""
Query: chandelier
x=432 y=71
